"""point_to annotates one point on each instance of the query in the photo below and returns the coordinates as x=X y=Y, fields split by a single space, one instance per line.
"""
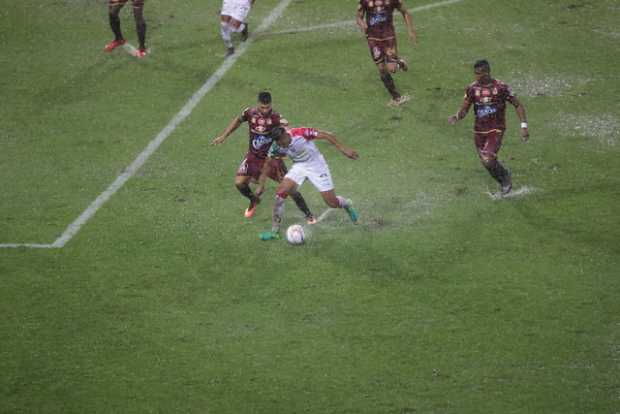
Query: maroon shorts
x=136 y=3
x=488 y=143
x=383 y=51
x=253 y=166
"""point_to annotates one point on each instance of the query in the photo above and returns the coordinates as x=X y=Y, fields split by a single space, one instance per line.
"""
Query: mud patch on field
x=604 y=128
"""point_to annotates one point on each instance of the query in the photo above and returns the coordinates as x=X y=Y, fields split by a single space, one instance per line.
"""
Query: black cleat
x=244 y=33
x=229 y=52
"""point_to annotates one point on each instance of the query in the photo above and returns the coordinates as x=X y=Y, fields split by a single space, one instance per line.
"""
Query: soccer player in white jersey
x=308 y=163
x=232 y=20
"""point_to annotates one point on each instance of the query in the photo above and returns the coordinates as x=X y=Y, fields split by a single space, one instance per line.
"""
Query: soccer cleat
x=249 y=212
x=402 y=64
x=506 y=189
x=141 y=53
x=244 y=33
x=310 y=219
x=506 y=184
x=399 y=101
x=269 y=235
x=352 y=214
x=113 y=45
x=229 y=52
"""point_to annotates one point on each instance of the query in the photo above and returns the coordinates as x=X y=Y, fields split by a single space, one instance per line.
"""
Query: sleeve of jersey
x=244 y=115
x=307 y=133
x=509 y=94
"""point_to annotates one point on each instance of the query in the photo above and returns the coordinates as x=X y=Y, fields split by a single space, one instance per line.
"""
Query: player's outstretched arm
x=234 y=124
x=520 y=109
x=328 y=136
x=462 y=112
x=413 y=35
x=360 y=20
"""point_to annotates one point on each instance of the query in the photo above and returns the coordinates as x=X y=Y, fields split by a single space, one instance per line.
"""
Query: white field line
x=352 y=23
x=187 y=109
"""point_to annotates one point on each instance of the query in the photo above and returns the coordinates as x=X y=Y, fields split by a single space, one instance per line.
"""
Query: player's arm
x=331 y=138
x=234 y=124
x=520 y=109
x=413 y=35
x=361 y=23
x=462 y=112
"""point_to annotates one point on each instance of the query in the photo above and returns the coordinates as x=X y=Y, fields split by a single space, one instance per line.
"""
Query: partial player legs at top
x=232 y=20
x=114 y=8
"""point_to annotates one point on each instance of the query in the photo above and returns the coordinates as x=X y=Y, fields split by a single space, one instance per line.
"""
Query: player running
x=114 y=8
x=233 y=20
x=489 y=97
x=308 y=163
x=375 y=19
x=261 y=120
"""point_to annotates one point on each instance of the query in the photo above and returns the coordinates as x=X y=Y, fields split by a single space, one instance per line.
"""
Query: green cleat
x=269 y=235
x=352 y=214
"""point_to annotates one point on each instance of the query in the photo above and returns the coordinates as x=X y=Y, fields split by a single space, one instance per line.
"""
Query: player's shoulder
x=249 y=110
x=500 y=84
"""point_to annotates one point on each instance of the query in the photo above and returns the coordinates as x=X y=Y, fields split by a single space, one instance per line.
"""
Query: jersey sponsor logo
x=485 y=111
x=259 y=141
x=377 y=18
x=486 y=92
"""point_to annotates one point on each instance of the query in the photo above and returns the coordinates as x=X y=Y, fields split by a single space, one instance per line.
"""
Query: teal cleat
x=352 y=214
x=269 y=235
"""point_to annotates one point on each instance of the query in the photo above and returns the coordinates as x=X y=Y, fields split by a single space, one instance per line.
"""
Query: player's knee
x=392 y=67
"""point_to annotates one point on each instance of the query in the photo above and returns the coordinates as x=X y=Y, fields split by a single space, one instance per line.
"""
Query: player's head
x=280 y=136
x=264 y=102
x=482 y=70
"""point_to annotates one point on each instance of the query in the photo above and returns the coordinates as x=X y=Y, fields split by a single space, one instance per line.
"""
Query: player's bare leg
x=242 y=182
x=138 y=14
x=286 y=187
x=115 y=25
x=385 y=71
x=336 y=201
x=226 y=33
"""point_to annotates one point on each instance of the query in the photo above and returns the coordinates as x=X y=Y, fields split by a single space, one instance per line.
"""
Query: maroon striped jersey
x=260 y=126
x=489 y=104
x=379 y=16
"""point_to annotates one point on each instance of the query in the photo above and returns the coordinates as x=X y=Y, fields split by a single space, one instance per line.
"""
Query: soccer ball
x=295 y=234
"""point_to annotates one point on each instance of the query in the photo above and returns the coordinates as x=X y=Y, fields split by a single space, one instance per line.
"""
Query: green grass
x=440 y=301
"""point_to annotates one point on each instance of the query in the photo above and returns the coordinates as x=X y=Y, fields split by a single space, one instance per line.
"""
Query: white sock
x=343 y=202
x=225 y=32
x=278 y=212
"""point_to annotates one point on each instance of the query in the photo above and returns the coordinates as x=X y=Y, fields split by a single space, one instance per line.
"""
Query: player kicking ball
x=308 y=163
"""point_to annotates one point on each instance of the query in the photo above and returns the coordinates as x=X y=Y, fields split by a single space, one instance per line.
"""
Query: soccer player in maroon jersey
x=489 y=97
x=114 y=8
x=261 y=120
x=375 y=19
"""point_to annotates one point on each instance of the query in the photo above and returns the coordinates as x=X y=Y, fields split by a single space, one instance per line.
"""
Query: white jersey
x=308 y=162
x=237 y=9
x=301 y=148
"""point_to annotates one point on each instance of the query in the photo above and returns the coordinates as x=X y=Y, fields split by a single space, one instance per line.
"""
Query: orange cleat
x=249 y=212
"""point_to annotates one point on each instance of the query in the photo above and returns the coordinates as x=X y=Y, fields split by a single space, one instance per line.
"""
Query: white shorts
x=237 y=9
x=317 y=172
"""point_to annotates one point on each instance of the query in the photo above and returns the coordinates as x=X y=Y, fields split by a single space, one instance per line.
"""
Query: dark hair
x=276 y=133
x=264 y=97
x=482 y=64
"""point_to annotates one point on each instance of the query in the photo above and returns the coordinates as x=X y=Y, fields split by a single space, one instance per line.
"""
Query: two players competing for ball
x=261 y=120
x=308 y=164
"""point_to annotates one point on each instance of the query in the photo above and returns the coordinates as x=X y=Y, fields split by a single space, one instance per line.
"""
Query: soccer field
x=131 y=282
